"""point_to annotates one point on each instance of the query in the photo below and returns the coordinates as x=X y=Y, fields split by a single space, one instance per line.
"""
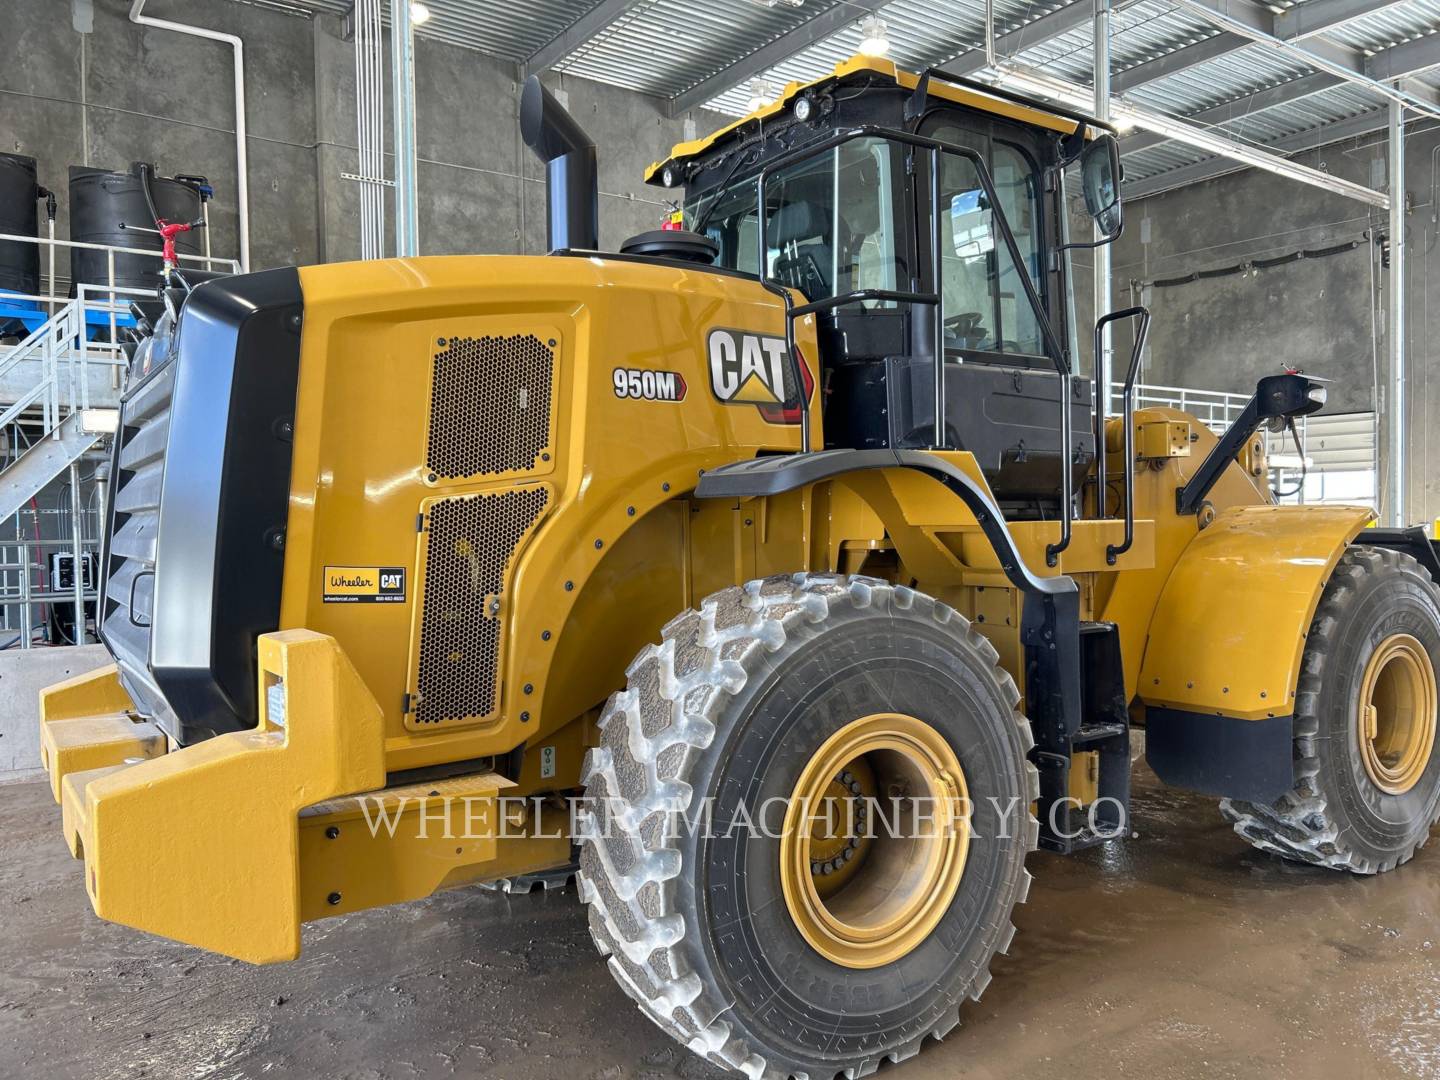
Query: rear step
x=1102 y=730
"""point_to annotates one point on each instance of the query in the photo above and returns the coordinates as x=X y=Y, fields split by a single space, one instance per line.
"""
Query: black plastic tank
x=19 y=216
x=101 y=201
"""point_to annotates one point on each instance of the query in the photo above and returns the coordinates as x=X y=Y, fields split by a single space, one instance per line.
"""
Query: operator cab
x=849 y=208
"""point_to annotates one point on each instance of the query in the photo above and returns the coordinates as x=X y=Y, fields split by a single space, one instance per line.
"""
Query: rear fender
x=1229 y=630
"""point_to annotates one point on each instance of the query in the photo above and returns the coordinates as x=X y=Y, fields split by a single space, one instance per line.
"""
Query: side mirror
x=1100 y=180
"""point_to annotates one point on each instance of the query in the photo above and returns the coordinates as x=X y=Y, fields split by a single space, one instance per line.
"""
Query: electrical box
x=1161 y=439
x=62 y=571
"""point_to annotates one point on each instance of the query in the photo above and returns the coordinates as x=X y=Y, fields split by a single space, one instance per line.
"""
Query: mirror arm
x=1091 y=245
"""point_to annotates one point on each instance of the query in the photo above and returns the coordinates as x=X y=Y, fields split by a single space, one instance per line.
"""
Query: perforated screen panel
x=469 y=545
x=489 y=405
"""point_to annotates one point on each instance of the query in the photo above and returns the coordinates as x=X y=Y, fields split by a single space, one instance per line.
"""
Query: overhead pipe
x=242 y=166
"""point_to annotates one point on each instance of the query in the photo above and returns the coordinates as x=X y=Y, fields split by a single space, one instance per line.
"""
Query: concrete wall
x=124 y=93
x=22 y=676
x=1325 y=315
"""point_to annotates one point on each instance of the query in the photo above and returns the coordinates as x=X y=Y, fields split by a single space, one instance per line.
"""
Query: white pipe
x=242 y=165
x=1395 y=407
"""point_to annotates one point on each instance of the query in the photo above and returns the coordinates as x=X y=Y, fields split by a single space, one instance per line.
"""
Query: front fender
x=1228 y=633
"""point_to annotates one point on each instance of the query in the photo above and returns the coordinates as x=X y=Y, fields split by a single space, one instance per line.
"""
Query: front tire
x=1367 y=775
x=727 y=712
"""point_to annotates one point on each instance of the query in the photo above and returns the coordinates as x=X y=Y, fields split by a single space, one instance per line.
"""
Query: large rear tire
x=1367 y=773
x=739 y=705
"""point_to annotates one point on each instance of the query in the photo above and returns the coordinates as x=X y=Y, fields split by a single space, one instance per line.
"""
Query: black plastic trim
x=779 y=474
x=219 y=557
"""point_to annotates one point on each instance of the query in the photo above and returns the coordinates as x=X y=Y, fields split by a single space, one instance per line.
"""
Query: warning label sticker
x=364 y=585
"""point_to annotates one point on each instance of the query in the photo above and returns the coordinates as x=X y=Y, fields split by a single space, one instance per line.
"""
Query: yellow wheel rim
x=1397 y=714
x=888 y=790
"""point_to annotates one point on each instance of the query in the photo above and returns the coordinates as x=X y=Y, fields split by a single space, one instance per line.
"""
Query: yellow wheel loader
x=782 y=562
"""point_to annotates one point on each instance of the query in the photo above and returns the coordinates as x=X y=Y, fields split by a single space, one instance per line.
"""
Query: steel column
x=1104 y=341
x=77 y=567
x=1396 y=406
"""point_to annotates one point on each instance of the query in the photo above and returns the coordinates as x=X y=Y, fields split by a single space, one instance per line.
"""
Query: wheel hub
x=875 y=840
x=1397 y=719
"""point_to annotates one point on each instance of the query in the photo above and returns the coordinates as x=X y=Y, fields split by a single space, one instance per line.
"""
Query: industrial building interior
x=1280 y=177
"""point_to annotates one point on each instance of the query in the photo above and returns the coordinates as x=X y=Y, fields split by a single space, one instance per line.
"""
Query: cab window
x=830 y=223
x=986 y=309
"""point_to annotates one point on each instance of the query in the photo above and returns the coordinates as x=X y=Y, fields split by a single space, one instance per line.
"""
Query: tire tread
x=704 y=657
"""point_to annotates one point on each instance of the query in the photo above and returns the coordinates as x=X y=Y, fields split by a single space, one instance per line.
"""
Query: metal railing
x=62 y=344
x=44 y=379
x=1216 y=409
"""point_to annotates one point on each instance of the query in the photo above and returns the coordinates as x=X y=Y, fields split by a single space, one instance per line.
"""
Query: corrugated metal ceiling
x=667 y=47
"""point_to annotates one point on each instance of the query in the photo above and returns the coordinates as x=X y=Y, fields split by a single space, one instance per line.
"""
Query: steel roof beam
x=812 y=32
x=1247 y=15
x=1407 y=58
x=579 y=33
x=1172 y=63
x=1317 y=16
x=1317 y=53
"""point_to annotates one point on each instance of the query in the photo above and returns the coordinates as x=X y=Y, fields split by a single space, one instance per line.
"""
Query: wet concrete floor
x=1181 y=953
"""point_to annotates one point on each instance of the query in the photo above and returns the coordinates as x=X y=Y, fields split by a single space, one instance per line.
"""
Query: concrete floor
x=1180 y=954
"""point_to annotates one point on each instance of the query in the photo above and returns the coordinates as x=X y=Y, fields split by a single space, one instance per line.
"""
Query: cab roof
x=1035 y=114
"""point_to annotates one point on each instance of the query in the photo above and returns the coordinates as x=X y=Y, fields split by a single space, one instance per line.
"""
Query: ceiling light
x=760 y=94
x=419 y=13
x=873 y=40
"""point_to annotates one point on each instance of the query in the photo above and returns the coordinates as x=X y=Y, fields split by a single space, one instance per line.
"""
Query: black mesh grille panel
x=489 y=405
x=469 y=546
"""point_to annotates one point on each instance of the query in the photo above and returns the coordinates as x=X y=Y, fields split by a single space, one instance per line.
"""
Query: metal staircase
x=47 y=458
x=60 y=382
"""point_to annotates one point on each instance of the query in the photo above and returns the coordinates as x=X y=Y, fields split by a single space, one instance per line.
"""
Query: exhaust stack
x=572 y=186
